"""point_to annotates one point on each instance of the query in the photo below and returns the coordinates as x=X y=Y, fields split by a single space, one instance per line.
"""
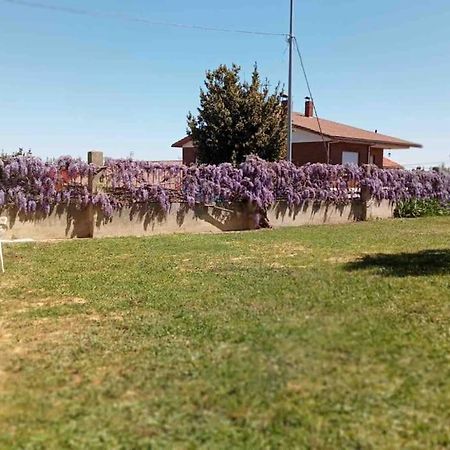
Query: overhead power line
x=422 y=164
x=130 y=18
x=308 y=86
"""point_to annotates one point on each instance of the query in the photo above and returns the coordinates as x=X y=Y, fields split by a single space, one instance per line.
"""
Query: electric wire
x=130 y=18
x=145 y=21
x=308 y=86
x=427 y=164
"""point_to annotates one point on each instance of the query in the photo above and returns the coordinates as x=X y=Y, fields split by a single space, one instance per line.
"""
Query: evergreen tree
x=237 y=118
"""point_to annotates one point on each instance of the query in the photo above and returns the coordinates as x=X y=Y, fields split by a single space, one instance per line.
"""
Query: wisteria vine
x=30 y=184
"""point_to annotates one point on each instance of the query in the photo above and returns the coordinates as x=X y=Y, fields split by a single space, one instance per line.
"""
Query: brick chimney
x=309 y=107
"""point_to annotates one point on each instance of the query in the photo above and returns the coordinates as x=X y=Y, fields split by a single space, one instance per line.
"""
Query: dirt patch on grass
x=25 y=337
x=10 y=283
x=25 y=341
x=281 y=249
x=242 y=258
x=49 y=302
x=340 y=259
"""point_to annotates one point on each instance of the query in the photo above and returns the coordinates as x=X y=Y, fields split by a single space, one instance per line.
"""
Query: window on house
x=350 y=158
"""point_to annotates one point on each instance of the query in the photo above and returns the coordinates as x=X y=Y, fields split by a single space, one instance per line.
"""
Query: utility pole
x=290 y=102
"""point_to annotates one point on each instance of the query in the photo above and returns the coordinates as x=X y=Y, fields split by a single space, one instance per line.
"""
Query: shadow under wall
x=150 y=215
x=78 y=222
x=314 y=208
x=146 y=214
x=75 y=222
x=237 y=219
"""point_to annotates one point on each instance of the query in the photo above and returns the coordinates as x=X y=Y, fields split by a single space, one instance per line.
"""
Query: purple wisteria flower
x=31 y=185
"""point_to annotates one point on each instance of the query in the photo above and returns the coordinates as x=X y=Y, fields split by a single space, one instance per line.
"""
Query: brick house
x=341 y=144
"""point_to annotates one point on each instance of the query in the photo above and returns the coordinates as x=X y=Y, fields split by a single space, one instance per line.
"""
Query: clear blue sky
x=72 y=83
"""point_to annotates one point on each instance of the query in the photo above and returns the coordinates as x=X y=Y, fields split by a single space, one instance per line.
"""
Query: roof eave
x=378 y=143
x=182 y=142
x=392 y=146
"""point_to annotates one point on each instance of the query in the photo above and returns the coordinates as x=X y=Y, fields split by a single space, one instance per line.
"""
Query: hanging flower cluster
x=399 y=185
x=30 y=184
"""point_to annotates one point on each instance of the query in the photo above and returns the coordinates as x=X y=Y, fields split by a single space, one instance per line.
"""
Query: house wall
x=302 y=136
x=337 y=149
x=378 y=154
x=308 y=152
x=189 y=155
x=314 y=152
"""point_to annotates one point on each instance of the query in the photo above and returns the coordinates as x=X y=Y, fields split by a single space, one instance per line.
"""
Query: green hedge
x=422 y=208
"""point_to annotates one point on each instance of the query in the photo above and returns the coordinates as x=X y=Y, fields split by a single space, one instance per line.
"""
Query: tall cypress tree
x=238 y=118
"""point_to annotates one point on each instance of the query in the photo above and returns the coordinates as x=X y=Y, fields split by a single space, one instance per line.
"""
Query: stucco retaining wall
x=315 y=213
x=379 y=209
x=143 y=220
x=61 y=223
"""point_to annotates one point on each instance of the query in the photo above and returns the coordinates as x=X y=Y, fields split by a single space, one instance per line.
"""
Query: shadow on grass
x=426 y=262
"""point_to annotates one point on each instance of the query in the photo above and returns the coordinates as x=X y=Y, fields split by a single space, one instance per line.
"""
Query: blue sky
x=72 y=83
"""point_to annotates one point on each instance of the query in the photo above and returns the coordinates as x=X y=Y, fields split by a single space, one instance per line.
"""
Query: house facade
x=324 y=141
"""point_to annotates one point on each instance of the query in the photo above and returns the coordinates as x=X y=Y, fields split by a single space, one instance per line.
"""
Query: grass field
x=332 y=337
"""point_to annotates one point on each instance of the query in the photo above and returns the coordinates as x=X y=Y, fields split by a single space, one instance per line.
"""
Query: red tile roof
x=391 y=164
x=341 y=132
x=338 y=132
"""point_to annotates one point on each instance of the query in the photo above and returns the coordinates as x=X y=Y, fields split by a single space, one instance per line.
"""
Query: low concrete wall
x=379 y=209
x=61 y=223
x=314 y=213
x=143 y=220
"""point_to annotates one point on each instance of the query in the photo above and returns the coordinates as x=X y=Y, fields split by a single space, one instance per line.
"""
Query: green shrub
x=422 y=208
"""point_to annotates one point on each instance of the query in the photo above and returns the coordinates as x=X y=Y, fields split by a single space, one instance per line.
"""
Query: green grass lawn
x=331 y=337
